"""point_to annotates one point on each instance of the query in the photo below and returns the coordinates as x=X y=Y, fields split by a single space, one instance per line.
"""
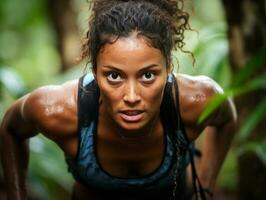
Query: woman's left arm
x=195 y=93
x=218 y=135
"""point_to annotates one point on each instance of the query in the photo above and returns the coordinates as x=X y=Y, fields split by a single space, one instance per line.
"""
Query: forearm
x=215 y=147
x=14 y=157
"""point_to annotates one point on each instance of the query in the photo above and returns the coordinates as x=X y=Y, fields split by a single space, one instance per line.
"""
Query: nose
x=131 y=93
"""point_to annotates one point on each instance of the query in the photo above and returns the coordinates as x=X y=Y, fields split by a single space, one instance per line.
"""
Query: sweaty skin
x=131 y=76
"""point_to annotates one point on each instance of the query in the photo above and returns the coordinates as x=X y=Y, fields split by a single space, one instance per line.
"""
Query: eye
x=114 y=77
x=148 y=76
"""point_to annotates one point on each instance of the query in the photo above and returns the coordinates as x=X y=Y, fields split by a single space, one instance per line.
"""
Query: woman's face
x=131 y=75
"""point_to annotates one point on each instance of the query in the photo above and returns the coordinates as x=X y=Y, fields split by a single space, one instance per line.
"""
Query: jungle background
x=40 y=43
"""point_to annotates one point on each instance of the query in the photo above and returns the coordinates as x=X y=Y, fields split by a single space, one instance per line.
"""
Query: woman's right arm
x=50 y=110
x=15 y=130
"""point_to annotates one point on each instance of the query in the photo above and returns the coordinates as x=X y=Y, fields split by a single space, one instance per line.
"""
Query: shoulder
x=197 y=87
x=195 y=92
x=52 y=109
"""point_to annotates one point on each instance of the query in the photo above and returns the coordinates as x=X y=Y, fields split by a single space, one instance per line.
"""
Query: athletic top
x=160 y=183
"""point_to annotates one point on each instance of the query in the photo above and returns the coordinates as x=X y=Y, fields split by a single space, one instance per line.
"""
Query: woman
x=127 y=129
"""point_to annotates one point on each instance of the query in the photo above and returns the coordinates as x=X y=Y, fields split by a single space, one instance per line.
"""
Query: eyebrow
x=141 y=70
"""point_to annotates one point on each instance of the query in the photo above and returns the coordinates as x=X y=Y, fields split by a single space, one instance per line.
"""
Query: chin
x=132 y=126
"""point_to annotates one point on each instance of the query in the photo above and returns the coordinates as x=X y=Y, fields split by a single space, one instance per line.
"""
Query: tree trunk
x=64 y=20
x=247 y=36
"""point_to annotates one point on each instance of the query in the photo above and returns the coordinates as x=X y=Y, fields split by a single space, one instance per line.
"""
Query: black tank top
x=160 y=183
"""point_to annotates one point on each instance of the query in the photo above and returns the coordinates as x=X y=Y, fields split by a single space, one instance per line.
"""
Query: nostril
x=131 y=98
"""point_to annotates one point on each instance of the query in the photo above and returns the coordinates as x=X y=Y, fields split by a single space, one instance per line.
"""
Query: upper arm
x=195 y=93
x=50 y=110
x=225 y=112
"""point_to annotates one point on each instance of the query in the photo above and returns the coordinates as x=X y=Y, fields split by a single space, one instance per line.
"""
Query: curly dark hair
x=162 y=22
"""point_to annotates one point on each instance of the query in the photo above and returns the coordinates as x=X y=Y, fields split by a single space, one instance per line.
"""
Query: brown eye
x=148 y=76
x=114 y=77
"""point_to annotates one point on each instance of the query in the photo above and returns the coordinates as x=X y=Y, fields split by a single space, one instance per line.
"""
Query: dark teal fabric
x=86 y=168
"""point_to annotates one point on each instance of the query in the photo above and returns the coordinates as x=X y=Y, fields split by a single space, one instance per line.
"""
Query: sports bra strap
x=198 y=189
x=88 y=103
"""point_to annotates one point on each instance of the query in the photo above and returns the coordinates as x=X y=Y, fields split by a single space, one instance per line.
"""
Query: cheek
x=153 y=96
x=110 y=97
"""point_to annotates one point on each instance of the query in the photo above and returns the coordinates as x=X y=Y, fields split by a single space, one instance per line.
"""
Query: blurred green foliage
x=48 y=177
x=210 y=47
x=27 y=41
x=29 y=59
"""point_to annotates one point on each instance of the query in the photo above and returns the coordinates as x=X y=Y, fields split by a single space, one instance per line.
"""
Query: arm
x=195 y=92
x=14 y=149
x=217 y=141
x=50 y=110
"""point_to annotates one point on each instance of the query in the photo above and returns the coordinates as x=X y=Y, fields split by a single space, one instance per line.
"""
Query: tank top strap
x=198 y=189
x=88 y=100
x=88 y=97
x=170 y=112
x=180 y=122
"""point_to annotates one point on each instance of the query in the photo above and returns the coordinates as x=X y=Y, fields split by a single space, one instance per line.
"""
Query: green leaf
x=259 y=82
x=250 y=123
x=252 y=67
x=213 y=104
x=257 y=147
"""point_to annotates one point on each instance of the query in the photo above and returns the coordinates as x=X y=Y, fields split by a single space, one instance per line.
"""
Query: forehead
x=132 y=50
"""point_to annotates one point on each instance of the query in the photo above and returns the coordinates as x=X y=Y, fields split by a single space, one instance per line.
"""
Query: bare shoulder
x=53 y=109
x=199 y=86
x=195 y=92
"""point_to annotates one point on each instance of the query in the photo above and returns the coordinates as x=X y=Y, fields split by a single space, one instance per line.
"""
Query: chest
x=106 y=166
x=129 y=157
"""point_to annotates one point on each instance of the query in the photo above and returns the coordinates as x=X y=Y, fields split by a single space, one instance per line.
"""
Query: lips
x=131 y=112
x=132 y=115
